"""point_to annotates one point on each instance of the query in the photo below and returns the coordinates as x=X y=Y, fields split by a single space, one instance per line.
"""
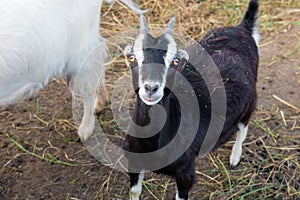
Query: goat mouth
x=150 y=100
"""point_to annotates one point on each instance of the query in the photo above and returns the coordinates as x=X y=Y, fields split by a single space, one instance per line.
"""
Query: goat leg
x=184 y=181
x=136 y=185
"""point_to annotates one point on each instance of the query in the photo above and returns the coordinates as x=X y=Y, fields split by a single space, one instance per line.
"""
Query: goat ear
x=127 y=50
x=170 y=27
x=143 y=25
x=184 y=59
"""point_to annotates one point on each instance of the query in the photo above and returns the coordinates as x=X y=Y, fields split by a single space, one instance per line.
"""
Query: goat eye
x=176 y=61
x=131 y=58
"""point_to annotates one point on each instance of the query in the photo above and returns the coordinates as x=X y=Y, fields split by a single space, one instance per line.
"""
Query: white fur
x=156 y=97
x=171 y=50
x=237 y=147
x=256 y=36
x=171 y=53
x=138 y=49
x=41 y=39
x=139 y=55
x=136 y=190
x=255 y=32
x=177 y=196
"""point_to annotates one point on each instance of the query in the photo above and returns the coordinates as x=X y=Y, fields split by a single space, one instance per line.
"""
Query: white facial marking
x=136 y=190
x=138 y=49
x=154 y=98
x=237 y=147
x=139 y=55
x=168 y=58
x=170 y=55
x=171 y=50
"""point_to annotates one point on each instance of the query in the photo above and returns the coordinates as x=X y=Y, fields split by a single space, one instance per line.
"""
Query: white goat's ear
x=170 y=27
x=143 y=25
x=127 y=50
x=184 y=59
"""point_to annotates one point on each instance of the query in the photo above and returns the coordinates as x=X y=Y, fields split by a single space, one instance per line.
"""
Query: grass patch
x=264 y=128
x=51 y=158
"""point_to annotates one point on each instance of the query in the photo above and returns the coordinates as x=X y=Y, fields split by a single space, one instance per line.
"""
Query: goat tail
x=251 y=17
x=250 y=20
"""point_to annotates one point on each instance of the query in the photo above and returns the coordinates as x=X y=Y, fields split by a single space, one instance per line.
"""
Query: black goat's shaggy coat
x=236 y=55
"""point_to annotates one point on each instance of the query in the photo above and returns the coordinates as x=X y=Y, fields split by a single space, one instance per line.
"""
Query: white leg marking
x=136 y=190
x=177 y=196
x=237 y=147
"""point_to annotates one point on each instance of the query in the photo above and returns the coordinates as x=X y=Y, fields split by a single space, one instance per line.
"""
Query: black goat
x=154 y=62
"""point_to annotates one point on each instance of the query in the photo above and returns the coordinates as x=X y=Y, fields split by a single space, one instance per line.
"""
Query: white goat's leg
x=86 y=82
x=136 y=185
x=102 y=97
x=87 y=125
x=237 y=147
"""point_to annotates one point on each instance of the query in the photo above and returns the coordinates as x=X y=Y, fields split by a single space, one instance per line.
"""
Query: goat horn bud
x=171 y=24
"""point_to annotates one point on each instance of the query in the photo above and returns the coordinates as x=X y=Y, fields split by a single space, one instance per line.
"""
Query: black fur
x=251 y=16
x=235 y=53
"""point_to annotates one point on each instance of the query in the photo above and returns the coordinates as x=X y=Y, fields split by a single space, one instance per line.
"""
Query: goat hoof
x=99 y=105
x=102 y=99
x=86 y=130
x=234 y=159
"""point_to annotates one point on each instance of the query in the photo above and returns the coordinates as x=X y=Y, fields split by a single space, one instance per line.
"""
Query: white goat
x=41 y=39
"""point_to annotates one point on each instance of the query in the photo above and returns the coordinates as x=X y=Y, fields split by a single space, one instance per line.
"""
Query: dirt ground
x=269 y=168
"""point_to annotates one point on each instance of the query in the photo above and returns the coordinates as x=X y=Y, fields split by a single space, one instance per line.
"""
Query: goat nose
x=151 y=89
